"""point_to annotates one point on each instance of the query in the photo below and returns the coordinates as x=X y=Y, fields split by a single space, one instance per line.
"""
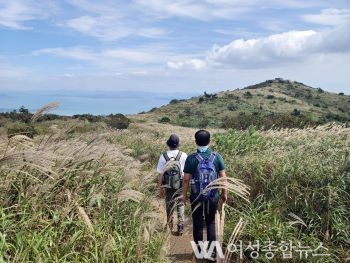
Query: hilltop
x=277 y=102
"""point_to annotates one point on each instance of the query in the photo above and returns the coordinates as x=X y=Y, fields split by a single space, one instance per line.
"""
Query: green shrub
x=88 y=117
x=175 y=101
x=82 y=127
x=118 y=121
x=203 y=123
x=277 y=120
x=187 y=111
x=232 y=107
x=296 y=112
x=16 y=128
x=164 y=120
x=248 y=94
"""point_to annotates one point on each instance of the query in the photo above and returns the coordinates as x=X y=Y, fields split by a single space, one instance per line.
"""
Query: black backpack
x=172 y=172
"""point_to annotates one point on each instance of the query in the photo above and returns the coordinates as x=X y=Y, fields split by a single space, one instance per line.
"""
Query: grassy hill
x=275 y=102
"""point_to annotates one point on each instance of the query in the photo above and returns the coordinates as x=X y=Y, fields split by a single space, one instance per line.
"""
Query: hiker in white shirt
x=172 y=191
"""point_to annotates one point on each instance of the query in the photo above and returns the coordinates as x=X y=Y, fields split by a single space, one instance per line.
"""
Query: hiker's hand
x=223 y=197
x=161 y=193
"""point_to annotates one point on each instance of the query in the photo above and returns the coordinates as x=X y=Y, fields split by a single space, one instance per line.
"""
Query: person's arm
x=222 y=174
x=160 y=168
x=185 y=186
x=160 y=185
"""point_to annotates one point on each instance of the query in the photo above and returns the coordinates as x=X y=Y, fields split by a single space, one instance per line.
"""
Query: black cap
x=173 y=141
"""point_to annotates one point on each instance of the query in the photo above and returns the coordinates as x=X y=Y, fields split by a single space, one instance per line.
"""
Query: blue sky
x=169 y=46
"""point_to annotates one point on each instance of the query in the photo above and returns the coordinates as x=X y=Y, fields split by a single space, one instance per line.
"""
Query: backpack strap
x=212 y=157
x=166 y=157
x=178 y=156
x=199 y=157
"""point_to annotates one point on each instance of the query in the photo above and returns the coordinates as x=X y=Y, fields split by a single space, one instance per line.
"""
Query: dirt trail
x=179 y=247
x=180 y=250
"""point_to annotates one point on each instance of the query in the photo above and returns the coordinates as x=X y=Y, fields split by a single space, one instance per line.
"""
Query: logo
x=205 y=250
x=255 y=249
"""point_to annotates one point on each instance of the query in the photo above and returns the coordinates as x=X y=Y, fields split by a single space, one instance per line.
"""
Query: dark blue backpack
x=204 y=175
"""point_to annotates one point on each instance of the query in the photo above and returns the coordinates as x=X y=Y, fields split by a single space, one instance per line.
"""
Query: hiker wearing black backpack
x=201 y=169
x=170 y=174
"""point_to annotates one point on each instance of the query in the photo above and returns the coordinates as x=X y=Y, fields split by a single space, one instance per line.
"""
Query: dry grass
x=234 y=238
x=129 y=194
x=314 y=133
x=44 y=109
x=82 y=178
x=64 y=179
x=85 y=218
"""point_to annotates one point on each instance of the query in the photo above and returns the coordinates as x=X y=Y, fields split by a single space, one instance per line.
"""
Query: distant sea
x=92 y=102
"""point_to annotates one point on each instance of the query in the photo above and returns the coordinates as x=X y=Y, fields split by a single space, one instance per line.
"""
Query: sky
x=75 y=50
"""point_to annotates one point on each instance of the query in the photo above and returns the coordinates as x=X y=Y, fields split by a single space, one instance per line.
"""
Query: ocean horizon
x=89 y=102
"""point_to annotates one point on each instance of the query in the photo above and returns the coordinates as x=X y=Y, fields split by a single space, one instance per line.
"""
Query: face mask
x=202 y=149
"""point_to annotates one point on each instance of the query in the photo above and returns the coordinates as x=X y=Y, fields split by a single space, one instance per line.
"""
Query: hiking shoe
x=180 y=229
x=212 y=257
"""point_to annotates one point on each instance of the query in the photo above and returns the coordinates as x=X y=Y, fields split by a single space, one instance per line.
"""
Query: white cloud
x=201 y=10
x=14 y=13
x=195 y=64
x=267 y=50
x=141 y=55
x=150 y=32
x=68 y=75
x=12 y=71
x=198 y=9
x=265 y=3
x=105 y=7
x=279 y=49
x=109 y=28
x=104 y=28
x=131 y=55
x=330 y=17
x=168 y=8
x=139 y=73
x=108 y=61
x=78 y=53
x=335 y=40
x=224 y=9
x=110 y=21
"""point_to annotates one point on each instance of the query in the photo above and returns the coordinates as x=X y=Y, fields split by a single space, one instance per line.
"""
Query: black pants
x=204 y=214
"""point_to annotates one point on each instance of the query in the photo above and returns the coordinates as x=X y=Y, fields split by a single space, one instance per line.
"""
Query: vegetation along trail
x=73 y=195
x=151 y=138
x=80 y=191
